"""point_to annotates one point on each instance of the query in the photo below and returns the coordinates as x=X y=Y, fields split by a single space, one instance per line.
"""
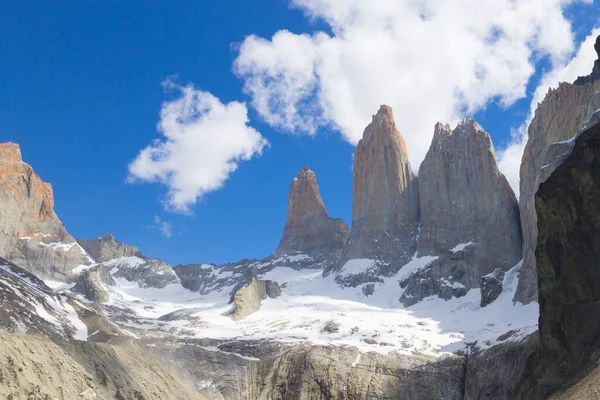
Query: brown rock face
x=308 y=229
x=31 y=235
x=385 y=195
x=561 y=115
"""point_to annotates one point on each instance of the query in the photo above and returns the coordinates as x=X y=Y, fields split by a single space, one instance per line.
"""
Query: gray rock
x=494 y=374
x=243 y=370
x=151 y=272
x=466 y=199
x=247 y=299
x=491 y=286
x=562 y=114
x=385 y=198
x=331 y=327
x=106 y=248
x=308 y=229
x=31 y=235
x=469 y=215
x=92 y=284
x=567 y=254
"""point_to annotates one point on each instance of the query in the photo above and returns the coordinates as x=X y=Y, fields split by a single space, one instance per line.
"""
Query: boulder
x=247 y=299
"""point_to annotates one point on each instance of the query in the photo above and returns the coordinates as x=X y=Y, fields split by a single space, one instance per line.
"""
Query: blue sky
x=81 y=92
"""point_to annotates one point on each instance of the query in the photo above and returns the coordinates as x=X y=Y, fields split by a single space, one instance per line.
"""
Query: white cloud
x=430 y=60
x=166 y=228
x=509 y=159
x=204 y=140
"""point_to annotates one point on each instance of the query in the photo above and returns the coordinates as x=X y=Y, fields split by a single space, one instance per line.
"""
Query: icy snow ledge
x=461 y=247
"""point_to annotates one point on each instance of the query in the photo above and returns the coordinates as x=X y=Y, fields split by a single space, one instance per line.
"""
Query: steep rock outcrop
x=105 y=248
x=494 y=374
x=270 y=371
x=567 y=254
x=385 y=199
x=491 y=286
x=147 y=272
x=31 y=235
x=469 y=214
x=558 y=118
x=465 y=198
x=308 y=229
x=246 y=300
x=92 y=283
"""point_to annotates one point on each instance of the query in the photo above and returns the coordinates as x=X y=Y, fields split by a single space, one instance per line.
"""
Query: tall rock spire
x=385 y=196
x=308 y=229
x=465 y=198
x=469 y=215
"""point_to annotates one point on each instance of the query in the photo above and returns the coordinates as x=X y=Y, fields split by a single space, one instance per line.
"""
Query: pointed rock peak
x=384 y=112
x=306 y=174
x=304 y=195
x=382 y=126
x=441 y=130
x=469 y=127
x=469 y=123
x=108 y=236
x=10 y=153
x=597 y=46
x=308 y=228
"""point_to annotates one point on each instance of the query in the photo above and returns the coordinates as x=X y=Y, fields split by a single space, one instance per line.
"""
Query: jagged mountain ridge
x=172 y=309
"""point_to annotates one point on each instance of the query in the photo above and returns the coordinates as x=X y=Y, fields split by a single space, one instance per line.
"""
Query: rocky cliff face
x=147 y=273
x=558 y=118
x=246 y=300
x=465 y=198
x=469 y=214
x=31 y=235
x=567 y=254
x=385 y=199
x=106 y=248
x=308 y=229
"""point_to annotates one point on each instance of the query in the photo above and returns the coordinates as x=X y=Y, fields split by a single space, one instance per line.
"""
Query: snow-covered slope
x=29 y=306
x=314 y=309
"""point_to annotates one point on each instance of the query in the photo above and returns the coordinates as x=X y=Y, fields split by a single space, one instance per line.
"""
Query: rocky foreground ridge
x=415 y=302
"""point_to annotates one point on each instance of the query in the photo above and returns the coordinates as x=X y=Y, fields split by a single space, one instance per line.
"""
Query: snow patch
x=461 y=247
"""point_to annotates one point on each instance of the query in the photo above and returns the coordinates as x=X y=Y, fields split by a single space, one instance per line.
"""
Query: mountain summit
x=385 y=194
x=308 y=229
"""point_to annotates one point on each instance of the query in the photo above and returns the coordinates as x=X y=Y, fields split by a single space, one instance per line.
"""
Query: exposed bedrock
x=251 y=369
x=469 y=215
x=31 y=235
x=105 y=248
x=562 y=114
x=247 y=298
x=385 y=198
x=567 y=254
x=308 y=229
